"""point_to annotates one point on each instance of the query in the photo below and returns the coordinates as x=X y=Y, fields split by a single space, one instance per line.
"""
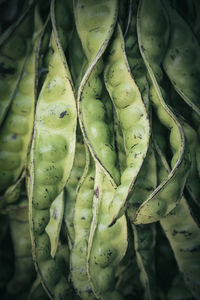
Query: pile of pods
x=100 y=150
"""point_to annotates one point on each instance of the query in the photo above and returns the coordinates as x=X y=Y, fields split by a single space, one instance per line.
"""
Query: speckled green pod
x=184 y=236
x=108 y=244
x=72 y=185
x=16 y=130
x=95 y=23
x=83 y=214
x=52 y=155
x=132 y=117
x=153 y=40
x=182 y=60
x=134 y=57
x=14 y=45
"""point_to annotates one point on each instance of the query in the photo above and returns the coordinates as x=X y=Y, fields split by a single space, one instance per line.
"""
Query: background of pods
x=100 y=149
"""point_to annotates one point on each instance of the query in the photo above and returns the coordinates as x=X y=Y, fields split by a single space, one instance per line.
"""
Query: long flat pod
x=182 y=60
x=132 y=116
x=14 y=45
x=145 y=240
x=107 y=244
x=184 y=236
x=83 y=216
x=95 y=23
x=24 y=271
x=52 y=156
x=16 y=130
x=80 y=162
x=153 y=40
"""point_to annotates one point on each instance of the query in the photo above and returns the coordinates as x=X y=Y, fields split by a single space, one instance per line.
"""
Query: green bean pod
x=83 y=214
x=153 y=40
x=16 y=130
x=182 y=59
x=144 y=237
x=24 y=271
x=14 y=46
x=108 y=244
x=52 y=155
x=135 y=59
x=72 y=185
x=95 y=23
x=184 y=236
x=133 y=119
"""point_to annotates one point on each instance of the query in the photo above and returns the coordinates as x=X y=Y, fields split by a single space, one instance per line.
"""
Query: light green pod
x=16 y=130
x=107 y=244
x=52 y=155
x=72 y=185
x=153 y=40
x=55 y=222
x=14 y=45
x=184 y=236
x=83 y=214
x=132 y=117
x=95 y=23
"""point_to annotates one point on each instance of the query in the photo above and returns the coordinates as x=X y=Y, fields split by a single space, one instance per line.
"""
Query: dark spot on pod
x=96 y=192
x=184 y=232
x=109 y=252
x=62 y=114
x=82 y=6
x=82 y=218
x=55 y=214
x=142 y=48
x=14 y=136
x=133 y=146
x=6 y=70
x=142 y=240
x=88 y=290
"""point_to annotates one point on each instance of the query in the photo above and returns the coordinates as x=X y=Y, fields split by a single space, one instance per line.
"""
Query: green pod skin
x=14 y=45
x=184 y=236
x=72 y=185
x=77 y=59
x=192 y=183
x=54 y=226
x=182 y=60
x=145 y=184
x=24 y=271
x=145 y=240
x=95 y=23
x=178 y=290
x=37 y=292
x=133 y=119
x=16 y=130
x=153 y=41
x=134 y=58
x=108 y=245
x=52 y=155
x=83 y=214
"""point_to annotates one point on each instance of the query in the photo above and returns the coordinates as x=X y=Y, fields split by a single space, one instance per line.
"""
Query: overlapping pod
x=14 y=44
x=153 y=41
x=107 y=245
x=145 y=240
x=184 y=236
x=24 y=272
x=52 y=154
x=72 y=185
x=83 y=214
x=37 y=292
x=95 y=23
x=16 y=130
x=182 y=60
x=132 y=117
